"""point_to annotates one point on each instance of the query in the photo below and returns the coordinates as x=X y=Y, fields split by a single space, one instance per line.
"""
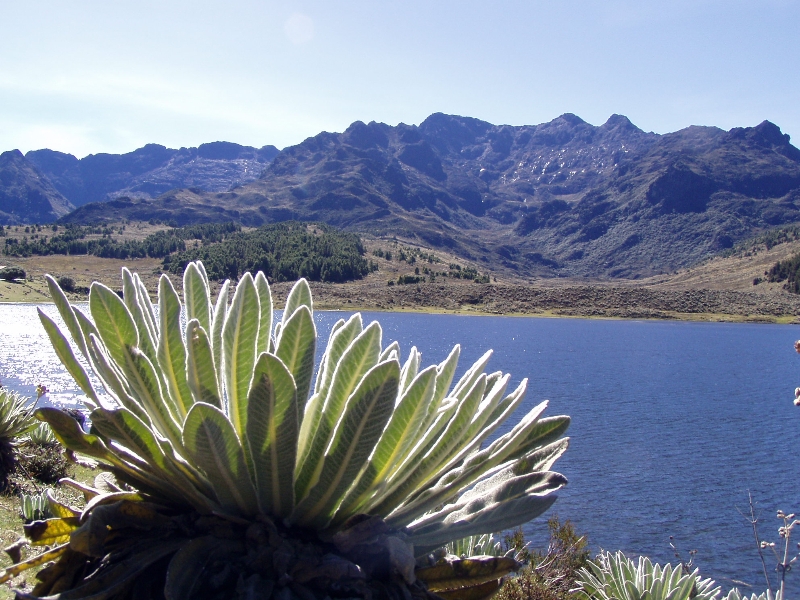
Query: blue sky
x=99 y=76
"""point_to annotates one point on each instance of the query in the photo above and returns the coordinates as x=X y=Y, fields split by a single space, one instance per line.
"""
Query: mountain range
x=564 y=198
x=144 y=173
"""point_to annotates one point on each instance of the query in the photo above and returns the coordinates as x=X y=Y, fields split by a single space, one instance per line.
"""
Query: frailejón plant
x=241 y=473
x=34 y=507
x=617 y=577
x=42 y=435
x=15 y=421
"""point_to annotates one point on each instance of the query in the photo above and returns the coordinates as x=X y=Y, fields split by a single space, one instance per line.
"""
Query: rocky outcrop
x=152 y=170
x=26 y=196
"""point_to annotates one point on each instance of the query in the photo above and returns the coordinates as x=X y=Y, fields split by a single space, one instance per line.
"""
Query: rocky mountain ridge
x=152 y=170
x=564 y=198
x=56 y=177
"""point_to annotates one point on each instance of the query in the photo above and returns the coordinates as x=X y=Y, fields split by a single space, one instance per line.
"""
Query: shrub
x=247 y=469
x=66 y=283
x=409 y=279
x=550 y=575
x=45 y=463
x=12 y=273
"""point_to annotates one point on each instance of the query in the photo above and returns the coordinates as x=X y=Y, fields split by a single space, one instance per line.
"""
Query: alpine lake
x=673 y=423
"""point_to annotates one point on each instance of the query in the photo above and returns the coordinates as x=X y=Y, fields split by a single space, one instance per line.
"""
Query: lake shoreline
x=546 y=299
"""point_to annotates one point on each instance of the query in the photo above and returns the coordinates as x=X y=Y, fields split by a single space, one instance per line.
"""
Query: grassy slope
x=372 y=293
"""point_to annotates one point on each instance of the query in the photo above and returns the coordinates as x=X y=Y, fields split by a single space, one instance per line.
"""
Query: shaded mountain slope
x=563 y=198
x=25 y=195
x=152 y=170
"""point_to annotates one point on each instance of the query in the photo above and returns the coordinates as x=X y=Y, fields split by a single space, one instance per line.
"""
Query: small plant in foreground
x=782 y=551
x=15 y=421
x=34 y=507
x=475 y=545
x=250 y=477
x=615 y=576
x=735 y=594
x=42 y=435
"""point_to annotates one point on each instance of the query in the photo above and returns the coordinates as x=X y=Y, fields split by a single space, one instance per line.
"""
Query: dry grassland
x=719 y=289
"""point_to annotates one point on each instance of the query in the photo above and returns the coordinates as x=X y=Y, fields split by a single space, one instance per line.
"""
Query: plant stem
x=753 y=519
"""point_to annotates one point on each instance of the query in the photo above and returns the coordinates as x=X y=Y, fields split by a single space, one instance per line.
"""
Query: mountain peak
x=619 y=122
x=572 y=119
x=10 y=155
x=364 y=136
x=770 y=132
x=26 y=196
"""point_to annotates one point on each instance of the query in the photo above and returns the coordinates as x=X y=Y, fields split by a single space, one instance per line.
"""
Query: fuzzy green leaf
x=113 y=321
x=272 y=425
x=341 y=336
x=125 y=428
x=171 y=350
x=217 y=322
x=417 y=472
x=85 y=324
x=400 y=431
x=211 y=441
x=300 y=295
x=410 y=369
x=201 y=372
x=239 y=336
x=137 y=307
x=64 y=352
x=457 y=480
x=295 y=346
x=516 y=501
x=70 y=434
x=196 y=295
x=129 y=431
x=264 y=343
x=113 y=379
x=146 y=386
x=68 y=314
x=359 y=357
x=365 y=416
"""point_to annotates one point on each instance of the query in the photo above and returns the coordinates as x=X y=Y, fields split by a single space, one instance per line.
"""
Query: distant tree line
x=789 y=271
x=73 y=241
x=767 y=240
x=284 y=251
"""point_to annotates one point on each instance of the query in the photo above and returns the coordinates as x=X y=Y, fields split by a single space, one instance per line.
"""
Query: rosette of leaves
x=238 y=472
x=735 y=594
x=15 y=421
x=42 y=435
x=34 y=507
x=615 y=576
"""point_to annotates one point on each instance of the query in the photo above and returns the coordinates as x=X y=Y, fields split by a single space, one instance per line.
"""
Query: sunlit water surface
x=672 y=423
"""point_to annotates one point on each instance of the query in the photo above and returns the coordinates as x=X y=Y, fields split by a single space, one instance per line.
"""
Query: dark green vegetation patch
x=284 y=251
x=73 y=241
x=11 y=273
x=767 y=240
x=789 y=271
